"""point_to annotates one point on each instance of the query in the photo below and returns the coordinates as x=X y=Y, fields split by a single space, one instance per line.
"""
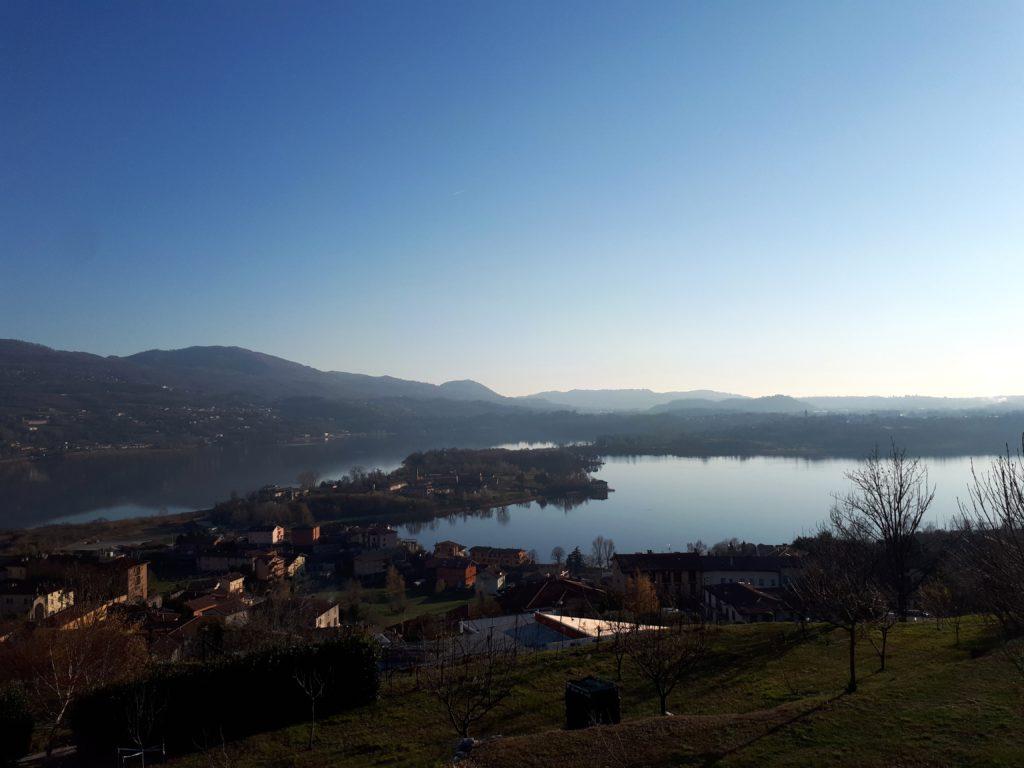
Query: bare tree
x=470 y=678
x=838 y=586
x=307 y=478
x=948 y=596
x=314 y=685
x=609 y=552
x=66 y=664
x=143 y=710
x=618 y=645
x=602 y=550
x=558 y=555
x=215 y=750
x=597 y=551
x=991 y=523
x=665 y=655
x=882 y=625
x=890 y=496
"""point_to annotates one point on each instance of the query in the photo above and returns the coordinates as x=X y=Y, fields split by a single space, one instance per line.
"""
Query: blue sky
x=810 y=198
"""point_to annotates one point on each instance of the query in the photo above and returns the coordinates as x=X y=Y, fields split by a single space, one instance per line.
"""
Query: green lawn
x=375 y=607
x=379 y=611
x=767 y=696
x=158 y=586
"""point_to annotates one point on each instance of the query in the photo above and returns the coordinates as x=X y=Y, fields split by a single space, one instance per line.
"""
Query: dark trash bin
x=591 y=701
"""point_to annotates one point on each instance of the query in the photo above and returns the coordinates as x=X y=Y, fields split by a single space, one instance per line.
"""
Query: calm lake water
x=120 y=485
x=661 y=503
x=658 y=503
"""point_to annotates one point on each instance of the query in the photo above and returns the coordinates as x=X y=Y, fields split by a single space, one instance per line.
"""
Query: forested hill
x=209 y=371
x=55 y=402
x=52 y=401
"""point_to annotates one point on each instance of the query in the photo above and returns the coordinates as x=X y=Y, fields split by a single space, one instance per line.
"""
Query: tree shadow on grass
x=716 y=757
x=727 y=666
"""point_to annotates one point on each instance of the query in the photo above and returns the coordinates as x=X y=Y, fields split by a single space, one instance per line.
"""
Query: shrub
x=16 y=724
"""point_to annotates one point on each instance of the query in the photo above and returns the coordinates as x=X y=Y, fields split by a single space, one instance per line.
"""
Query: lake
x=661 y=503
x=658 y=502
x=132 y=484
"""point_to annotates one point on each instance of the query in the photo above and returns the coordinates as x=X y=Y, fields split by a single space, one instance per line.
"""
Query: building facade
x=685 y=575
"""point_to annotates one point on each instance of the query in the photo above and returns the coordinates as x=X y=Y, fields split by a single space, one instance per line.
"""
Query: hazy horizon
x=755 y=198
x=499 y=390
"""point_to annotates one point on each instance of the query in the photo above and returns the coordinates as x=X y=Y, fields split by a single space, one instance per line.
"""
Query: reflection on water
x=501 y=515
x=659 y=502
x=522 y=445
x=135 y=484
x=129 y=484
x=663 y=502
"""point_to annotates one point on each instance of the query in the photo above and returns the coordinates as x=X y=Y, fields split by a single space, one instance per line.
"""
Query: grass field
x=376 y=609
x=767 y=696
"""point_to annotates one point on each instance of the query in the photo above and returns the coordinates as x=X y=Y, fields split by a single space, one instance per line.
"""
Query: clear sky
x=809 y=198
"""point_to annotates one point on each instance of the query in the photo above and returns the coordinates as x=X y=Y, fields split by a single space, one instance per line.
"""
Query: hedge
x=187 y=707
x=16 y=723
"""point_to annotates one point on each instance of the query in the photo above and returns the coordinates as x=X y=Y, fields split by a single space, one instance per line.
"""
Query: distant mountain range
x=770 y=404
x=53 y=401
x=241 y=373
x=56 y=402
x=629 y=399
x=222 y=371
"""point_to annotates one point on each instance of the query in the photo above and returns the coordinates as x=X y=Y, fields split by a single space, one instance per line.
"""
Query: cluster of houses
x=62 y=591
x=422 y=485
x=212 y=579
x=728 y=588
x=444 y=484
x=209 y=578
x=485 y=569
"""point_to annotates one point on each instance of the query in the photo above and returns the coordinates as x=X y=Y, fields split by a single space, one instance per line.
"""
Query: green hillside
x=766 y=696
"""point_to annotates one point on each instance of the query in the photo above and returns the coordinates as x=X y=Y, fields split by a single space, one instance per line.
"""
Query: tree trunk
x=851 y=686
x=52 y=735
x=902 y=592
x=312 y=724
x=885 y=638
x=664 y=703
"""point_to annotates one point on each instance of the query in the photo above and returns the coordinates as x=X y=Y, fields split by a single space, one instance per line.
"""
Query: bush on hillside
x=16 y=724
x=194 y=706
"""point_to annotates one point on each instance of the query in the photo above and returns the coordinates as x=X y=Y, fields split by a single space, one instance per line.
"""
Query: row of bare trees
x=992 y=531
x=601 y=552
x=470 y=676
x=868 y=563
x=862 y=571
x=667 y=653
x=991 y=524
